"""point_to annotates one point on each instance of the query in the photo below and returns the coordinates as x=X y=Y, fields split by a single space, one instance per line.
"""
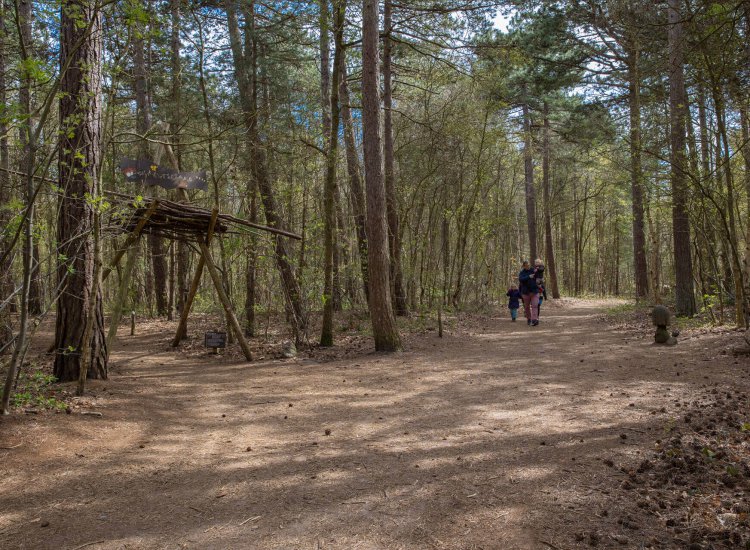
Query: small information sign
x=216 y=340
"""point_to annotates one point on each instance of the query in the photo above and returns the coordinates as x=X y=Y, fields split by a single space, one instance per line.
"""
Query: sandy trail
x=492 y=437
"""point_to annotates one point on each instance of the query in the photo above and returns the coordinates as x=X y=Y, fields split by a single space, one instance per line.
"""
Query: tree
x=79 y=165
x=245 y=69
x=392 y=215
x=6 y=274
x=684 y=294
x=384 y=327
x=329 y=190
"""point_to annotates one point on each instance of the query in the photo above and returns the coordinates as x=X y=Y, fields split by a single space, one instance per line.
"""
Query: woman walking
x=529 y=294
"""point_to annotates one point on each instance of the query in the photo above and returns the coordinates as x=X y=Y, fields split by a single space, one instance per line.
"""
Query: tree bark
x=245 y=74
x=391 y=200
x=6 y=275
x=724 y=159
x=549 y=243
x=636 y=174
x=384 y=327
x=745 y=122
x=684 y=294
x=528 y=169
x=183 y=251
x=329 y=191
x=355 y=178
x=79 y=161
x=27 y=160
x=143 y=126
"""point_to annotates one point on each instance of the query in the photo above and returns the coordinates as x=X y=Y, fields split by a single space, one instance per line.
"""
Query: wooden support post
x=131 y=239
x=132 y=323
x=181 y=333
x=216 y=277
x=122 y=295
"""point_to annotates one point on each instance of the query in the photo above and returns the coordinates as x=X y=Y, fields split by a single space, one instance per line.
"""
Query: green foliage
x=35 y=390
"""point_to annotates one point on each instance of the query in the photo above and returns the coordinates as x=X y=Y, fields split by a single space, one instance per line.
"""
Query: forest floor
x=578 y=433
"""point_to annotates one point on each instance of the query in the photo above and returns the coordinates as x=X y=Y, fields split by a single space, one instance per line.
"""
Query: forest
x=385 y=164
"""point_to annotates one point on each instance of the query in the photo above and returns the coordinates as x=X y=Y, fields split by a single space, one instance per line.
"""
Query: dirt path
x=493 y=437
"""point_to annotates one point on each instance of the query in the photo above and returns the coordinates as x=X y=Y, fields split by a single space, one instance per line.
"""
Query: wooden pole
x=235 y=324
x=122 y=294
x=134 y=236
x=182 y=326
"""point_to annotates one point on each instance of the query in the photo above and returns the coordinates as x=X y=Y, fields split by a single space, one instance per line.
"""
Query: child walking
x=514 y=295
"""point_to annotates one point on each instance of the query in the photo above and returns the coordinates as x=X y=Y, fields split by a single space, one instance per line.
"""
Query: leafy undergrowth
x=36 y=390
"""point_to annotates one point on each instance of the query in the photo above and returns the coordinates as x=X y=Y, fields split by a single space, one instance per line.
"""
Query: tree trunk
x=183 y=251
x=724 y=159
x=245 y=74
x=80 y=156
x=394 y=235
x=636 y=174
x=27 y=163
x=684 y=294
x=355 y=178
x=143 y=125
x=250 y=286
x=329 y=191
x=549 y=244
x=528 y=169
x=6 y=275
x=27 y=160
x=745 y=122
x=384 y=327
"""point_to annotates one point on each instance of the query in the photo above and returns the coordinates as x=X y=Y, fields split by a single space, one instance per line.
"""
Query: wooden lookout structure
x=137 y=216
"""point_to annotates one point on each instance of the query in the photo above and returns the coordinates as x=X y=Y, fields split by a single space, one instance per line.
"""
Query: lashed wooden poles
x=130 y=240
x=176 y=220
x=182 y=325
x=122 y=290
x=216 y=277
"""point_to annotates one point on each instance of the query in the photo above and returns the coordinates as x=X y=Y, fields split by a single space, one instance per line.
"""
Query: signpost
x=216 y=340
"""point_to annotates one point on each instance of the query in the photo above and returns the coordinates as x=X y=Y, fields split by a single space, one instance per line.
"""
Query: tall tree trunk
x=325 y=71
x=684 y=294
x=725 y=159
x=549 y=243
x=80 y=156
x=394 y=234
x=355 y=178
x=183 y=251
x=745 y=122
x=245 y=74
x=6 y=276
x=384 y=327
x=329 y=191
x=636 y=173
x=143 y=126
x=26 y=165
x=252 y=251
x=528 y=170
x=27 y=161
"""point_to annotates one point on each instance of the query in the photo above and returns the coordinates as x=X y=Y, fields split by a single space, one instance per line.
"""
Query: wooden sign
x=216 y=340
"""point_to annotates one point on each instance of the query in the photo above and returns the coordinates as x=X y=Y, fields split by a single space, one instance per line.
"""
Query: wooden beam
x=122 y=294
x=131 y=239
x=181 y=333
x=216 y=277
